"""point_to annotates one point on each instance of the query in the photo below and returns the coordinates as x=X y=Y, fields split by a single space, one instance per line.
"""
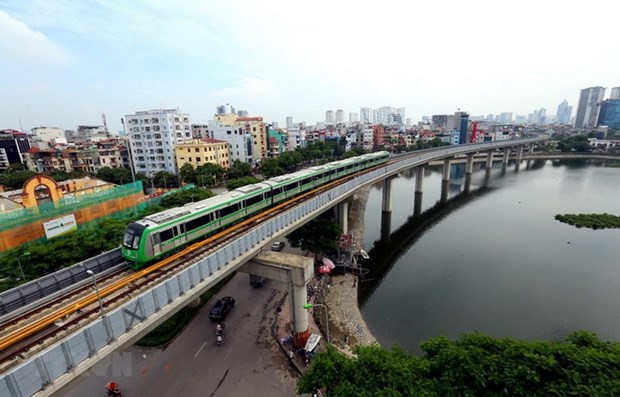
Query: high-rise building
x=289 y=121
x=382 y=115
x=464 y=123
x=330 y=117
x=339 y=116
x=439 y=120
x=353 y=117
x=153 y=135
x=505 y=117
x=225 y=109
x=610 y=113
x=366 y=115
x=589 y=106
x=564 y=112
x=615 y=93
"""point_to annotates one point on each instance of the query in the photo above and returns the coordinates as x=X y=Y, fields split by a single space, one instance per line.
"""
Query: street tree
x=270 y=168
x=238 y=169
x=187 y=173
x=119 y=176
x=320 y=235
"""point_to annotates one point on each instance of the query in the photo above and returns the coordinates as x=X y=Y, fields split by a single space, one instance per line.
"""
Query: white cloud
x=20 y=44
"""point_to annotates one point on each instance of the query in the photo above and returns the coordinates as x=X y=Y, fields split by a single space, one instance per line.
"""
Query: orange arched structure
x=29 y=198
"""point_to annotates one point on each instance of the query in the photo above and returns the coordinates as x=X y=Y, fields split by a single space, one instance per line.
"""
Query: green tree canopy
x=238 y=169
x=119 y=176
x=165 y=179
x=179 y=198
x=473 y=365
x=187 y=173
x=270 y=168
x=16 y=179
x=320 y=235
x=232 y=184
x=290 y=161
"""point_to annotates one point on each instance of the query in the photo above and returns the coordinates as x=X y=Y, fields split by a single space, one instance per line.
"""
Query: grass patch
x=591 y=221
x=170 y=328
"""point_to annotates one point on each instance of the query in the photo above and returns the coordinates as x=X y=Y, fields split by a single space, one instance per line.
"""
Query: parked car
x=277 y=246
x=222 y=307
x=256 y=281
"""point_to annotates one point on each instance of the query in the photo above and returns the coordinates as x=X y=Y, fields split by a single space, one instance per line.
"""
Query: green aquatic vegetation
x=591 y=221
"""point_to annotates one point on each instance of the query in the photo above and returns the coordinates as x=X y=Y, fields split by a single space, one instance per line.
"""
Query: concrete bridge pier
x=467 y=185
x=489 y=163
x=444 y=191
x=519 y=158
x=419 y=179
x=342 y=214
x=469 y=167
x=386 y=202
x=506 y=155
x=487 y=177
x=531 y=148
x=417 y=200
x=446 y=170
x=294 y=270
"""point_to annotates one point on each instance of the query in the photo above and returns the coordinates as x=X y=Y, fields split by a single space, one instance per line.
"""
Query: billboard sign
x=60 y=226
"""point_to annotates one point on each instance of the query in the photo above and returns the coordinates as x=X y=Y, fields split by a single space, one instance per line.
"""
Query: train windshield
x=132 y=236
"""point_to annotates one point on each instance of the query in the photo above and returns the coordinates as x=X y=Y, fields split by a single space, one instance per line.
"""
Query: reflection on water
x=494 y=259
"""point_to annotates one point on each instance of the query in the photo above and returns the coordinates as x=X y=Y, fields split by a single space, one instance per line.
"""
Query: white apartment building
x=330 y=117
x=45 y=137
x=382 y=115
x=353 y=117
x=295 y=137
x=240 y=142
x=153 y=135
x=339 y=116
x=366 y=115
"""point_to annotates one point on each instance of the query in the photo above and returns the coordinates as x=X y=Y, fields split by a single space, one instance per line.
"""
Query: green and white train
x=156 y=235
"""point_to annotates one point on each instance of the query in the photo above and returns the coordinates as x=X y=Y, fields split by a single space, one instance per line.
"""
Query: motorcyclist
x=112 y=389
x=219 y=339
x=219 y=327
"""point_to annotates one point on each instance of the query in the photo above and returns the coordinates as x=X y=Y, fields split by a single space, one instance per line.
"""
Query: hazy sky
x=64 y=62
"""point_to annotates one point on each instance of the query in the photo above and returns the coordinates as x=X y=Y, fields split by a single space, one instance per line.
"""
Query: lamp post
x=19 y=263
x=92 y=274
x=311 y=305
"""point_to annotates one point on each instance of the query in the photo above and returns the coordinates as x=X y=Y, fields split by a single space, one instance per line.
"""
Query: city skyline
x=66 y=63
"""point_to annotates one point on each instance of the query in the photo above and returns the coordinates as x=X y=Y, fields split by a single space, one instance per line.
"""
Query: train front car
x=133 y=242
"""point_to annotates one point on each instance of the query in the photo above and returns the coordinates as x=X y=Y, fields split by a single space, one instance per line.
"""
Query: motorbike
x=113 y=390
x=219 y=339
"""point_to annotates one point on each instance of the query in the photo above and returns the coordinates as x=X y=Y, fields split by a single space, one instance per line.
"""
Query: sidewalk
x=282 y=330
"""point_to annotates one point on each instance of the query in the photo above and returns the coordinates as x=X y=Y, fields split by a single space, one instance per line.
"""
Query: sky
x=64 y=62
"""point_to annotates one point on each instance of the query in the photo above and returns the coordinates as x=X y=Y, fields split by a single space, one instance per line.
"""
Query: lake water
x=495 y=260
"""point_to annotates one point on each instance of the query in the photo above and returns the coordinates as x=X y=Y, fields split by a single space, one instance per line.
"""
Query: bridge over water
x=45 y=372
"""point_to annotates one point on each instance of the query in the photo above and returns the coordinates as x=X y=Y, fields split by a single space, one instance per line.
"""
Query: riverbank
x=347 y=327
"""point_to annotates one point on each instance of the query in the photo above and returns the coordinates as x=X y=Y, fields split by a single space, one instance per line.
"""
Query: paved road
x=250 y=363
